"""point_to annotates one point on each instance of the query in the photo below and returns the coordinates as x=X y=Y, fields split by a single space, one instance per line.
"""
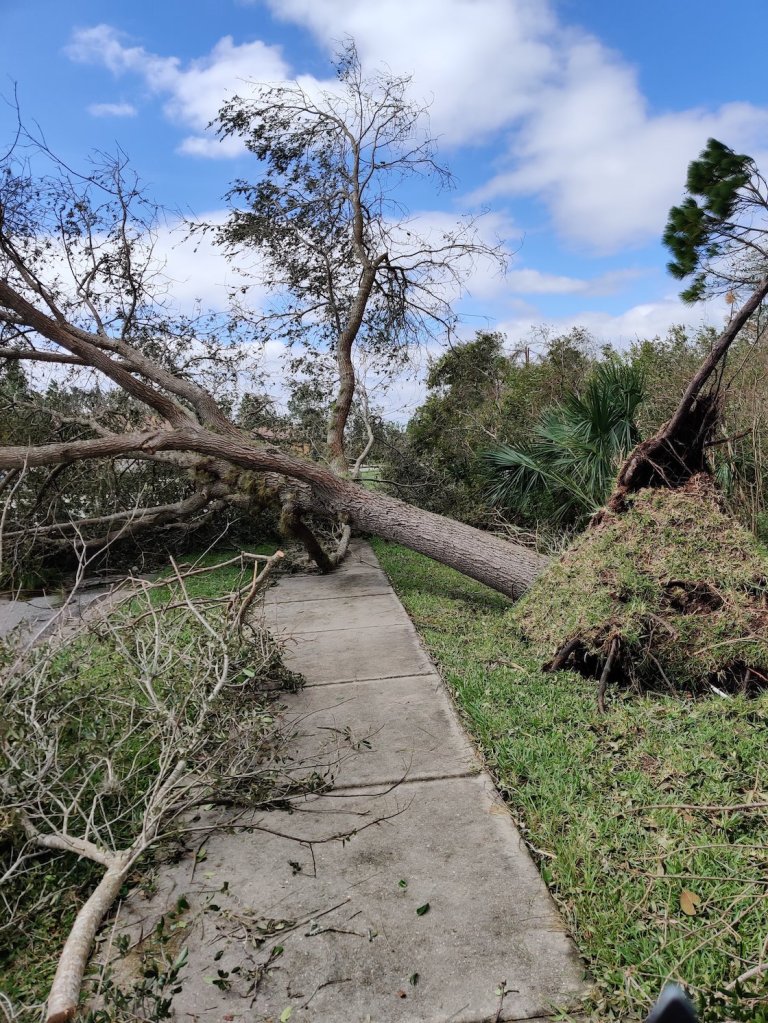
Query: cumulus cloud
x=641 y=322
x=607 y=168
x=580 y=134
x=195 y=271
x=112 y=110
x=566 y=113
x=529 y=281
x=480 y=61
x=193 y=91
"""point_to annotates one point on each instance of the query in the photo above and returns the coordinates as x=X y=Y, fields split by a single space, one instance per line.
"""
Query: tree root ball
x=673 y=587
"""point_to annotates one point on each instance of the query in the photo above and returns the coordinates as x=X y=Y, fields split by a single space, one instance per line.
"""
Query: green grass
x=677 y=583
x=96 y=685
x=584 y=789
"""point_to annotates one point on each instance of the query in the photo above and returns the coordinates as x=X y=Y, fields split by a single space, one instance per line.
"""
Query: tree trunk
x=677 y=451
x=504 y=566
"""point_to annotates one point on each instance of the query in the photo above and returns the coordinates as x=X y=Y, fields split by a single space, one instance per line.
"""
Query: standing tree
x=345 y=265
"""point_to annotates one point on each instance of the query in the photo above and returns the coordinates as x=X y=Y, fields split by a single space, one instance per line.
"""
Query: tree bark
x=500 y=564
x=676 y=451
x=342 y=404
x=65 y=990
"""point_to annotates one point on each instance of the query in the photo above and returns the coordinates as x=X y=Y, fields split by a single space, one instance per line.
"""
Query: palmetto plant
x=575 y=449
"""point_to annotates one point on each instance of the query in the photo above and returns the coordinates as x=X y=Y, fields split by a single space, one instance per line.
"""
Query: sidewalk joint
x=379 y=678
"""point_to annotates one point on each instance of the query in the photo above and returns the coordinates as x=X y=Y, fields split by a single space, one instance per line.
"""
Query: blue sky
x=572 y=121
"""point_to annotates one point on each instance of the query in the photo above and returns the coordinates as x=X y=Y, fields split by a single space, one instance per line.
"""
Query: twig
x=502 y=993
x=734 y=808
x=747 y=975
x=326 y=983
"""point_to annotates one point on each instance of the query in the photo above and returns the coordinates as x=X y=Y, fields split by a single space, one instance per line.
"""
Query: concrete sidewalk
x=430 y=911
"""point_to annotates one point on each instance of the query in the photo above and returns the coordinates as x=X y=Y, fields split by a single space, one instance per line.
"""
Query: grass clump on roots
x=671 y=592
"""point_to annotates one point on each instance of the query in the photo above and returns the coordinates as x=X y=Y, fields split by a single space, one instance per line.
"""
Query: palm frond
x=575 y=447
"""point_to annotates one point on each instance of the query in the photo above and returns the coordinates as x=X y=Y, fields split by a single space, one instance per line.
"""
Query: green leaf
x=286 y=1014
x=421 y=910
x=181 y=959
x=402 y=883
x=413 y=980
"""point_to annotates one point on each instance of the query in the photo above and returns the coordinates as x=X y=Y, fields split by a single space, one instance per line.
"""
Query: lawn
x=649 y=823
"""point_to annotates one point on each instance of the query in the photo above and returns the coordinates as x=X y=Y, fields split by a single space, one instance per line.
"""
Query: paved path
x=36 y=616
x=375 y=708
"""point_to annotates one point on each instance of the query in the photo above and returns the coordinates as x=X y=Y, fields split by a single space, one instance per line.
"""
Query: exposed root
x=563 y=655
x=613 y=650
x=677 y=583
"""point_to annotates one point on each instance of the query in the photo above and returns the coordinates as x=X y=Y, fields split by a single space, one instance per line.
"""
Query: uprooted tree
x=665 y=588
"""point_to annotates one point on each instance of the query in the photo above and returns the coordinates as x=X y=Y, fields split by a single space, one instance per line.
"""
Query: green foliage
x=576 y=447
x=705 y=226
x=101 y=744
x=338 y=256
x=480 y=394
x=483 y=395
x=585 y=790
x=465 y=385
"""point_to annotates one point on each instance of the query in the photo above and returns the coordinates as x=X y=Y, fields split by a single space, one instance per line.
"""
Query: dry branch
x=89 y=808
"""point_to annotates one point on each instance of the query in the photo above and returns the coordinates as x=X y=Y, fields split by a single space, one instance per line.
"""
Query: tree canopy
x=718 y=235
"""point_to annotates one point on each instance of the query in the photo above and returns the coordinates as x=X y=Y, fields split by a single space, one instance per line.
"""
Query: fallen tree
x=76 y=288
x=669 y=594
x=665 y=589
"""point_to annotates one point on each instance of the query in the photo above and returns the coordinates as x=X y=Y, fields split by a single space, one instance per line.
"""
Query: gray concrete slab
x=312 y=915
x=377 y=733
x=334 y=613
x=365 y=653
x=39 y=616
x=18 y=612
x=360 y=580
x=345 y=914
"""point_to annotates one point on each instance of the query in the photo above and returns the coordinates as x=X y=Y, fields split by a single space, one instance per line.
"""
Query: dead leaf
x=689 y=902
x=401 y=994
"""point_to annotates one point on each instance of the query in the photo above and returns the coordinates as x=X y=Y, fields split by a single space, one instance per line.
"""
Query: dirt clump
x=670 y=593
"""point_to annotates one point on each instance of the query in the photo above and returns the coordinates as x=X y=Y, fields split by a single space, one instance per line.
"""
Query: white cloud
x=640 y=322
x=581 y=135
x=528 y=281
x=575 y=129
x=607 y=168
x=194 y=91
x=479 y=61
x=112 y=110
x=196 y=270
